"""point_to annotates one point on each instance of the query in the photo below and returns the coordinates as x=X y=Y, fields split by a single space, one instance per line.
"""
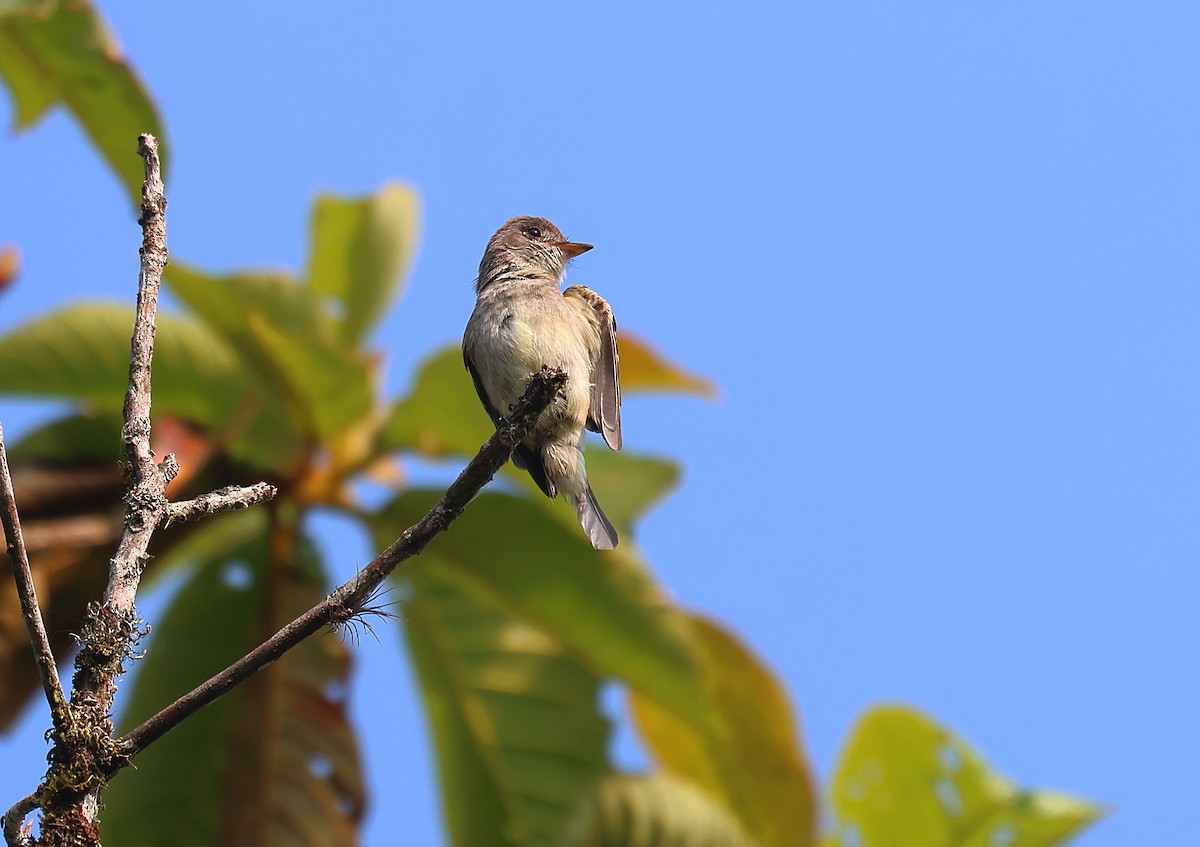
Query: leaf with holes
x=748 y=756
x=905 y=781
x=273 y=762
x=516 y=726
x=60 y=52
x=604 y=606
x=359 y=251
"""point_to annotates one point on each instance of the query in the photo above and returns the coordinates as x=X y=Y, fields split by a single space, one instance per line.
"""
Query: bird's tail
x=594 y=521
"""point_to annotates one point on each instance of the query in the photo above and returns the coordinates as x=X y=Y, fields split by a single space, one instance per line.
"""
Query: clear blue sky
x=941 y=259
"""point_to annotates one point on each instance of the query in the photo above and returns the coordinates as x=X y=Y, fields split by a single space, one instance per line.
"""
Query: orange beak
x=571 y=249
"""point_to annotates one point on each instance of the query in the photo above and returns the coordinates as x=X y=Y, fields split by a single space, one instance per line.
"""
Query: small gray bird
x=522 y=322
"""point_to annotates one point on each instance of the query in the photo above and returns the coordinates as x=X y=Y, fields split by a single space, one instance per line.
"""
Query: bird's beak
x=571 y=249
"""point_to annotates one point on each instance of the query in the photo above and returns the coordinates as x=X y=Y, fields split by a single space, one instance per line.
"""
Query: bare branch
x=14 y=819
x=18 y=556
x=221 y=500
x=348 y=599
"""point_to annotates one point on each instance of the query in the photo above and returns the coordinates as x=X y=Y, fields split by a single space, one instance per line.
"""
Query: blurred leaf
x=227 y=302
x=643 y=369
x=626 y=484
x=10 y=266
x=603 y=606
x=518 y=734
x=94 y=436
x=282 y=333
x=329 y=385
x=655 y=811
x=359 y=251
x=60 y=52
x=903 y=780
x=81 y=352
x=749 y=757
x=274 y=762
x=442 y=415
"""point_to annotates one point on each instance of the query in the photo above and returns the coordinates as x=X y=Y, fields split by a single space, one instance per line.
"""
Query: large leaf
x=284 y=335
x=442 y=415
x=655 y=811
x=643 y=369
x=749 y=754
x=903 y=780
x=359 y=250
x=516 y=726
x=81 y=352
x=273 y=762
x=60 y=52
x=603 y=606
x=328 y=385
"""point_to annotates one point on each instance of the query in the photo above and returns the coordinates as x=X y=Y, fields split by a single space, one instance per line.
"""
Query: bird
x=523 y=322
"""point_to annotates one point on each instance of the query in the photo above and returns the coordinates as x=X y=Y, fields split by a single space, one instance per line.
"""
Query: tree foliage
x=513 y=623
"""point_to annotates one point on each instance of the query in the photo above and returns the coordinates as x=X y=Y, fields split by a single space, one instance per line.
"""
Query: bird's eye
x=533 y=232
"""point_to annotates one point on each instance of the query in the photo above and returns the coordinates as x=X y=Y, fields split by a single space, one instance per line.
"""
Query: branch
x=221 y=500
x=348 y=599
x=18 y=556
x=15 y=817
x=81 y=757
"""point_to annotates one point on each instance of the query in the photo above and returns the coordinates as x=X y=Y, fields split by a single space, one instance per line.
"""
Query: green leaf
x=442 y=415
x=62 y=53
x=626 y=484
x=643 y=369
x=329 y=385
x=285 y=337
x=81 y=352
x=748 y=756
x=227 y=302
x=518 y=734
x=360 y=250
x=273 y=762
x=655 y=811
x=603 y=606
x=903 y=780
x=95 y=437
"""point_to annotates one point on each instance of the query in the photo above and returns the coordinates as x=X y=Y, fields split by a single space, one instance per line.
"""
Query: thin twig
x=221 y=500
x=43 y=656
x=14 y=820
x=348 y=599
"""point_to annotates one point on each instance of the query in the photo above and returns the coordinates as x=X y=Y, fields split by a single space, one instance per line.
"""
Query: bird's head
x=526 y=248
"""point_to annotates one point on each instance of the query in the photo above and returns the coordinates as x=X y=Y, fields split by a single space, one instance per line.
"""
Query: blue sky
x=941 y=259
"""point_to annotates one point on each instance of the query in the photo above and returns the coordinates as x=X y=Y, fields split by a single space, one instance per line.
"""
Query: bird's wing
x=604 y=410
x=522 y=457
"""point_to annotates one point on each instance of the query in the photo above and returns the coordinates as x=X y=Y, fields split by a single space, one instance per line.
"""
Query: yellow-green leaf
x=359 y=252
x=442 y=415
x=284 y=337
x=60 y=51
x=273 y=762
x=748 y=755
x=328 y=385
x=516 y=726
x=644 y=369
x=604 y=606
x=655 y=811
x=904 y=781
x=81 y=352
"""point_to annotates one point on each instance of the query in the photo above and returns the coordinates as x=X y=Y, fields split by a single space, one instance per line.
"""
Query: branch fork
x=85 y=755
